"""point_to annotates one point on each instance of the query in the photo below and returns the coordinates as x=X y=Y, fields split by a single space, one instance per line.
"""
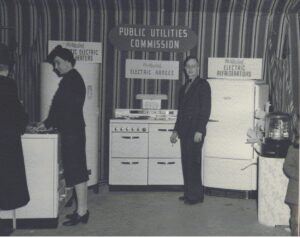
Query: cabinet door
x=232 y=114
x=159 y=142
x=40 y=158
x=165 y=172
x=229 y=173
x=128 y=171
x=129 y=145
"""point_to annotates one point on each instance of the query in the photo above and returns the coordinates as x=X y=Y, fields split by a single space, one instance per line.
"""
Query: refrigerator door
x=231 y=116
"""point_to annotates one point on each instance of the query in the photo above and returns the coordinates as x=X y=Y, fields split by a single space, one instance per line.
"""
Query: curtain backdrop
x=267 y=29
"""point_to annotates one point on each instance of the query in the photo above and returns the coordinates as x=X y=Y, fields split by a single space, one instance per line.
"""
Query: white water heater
x=90 y=75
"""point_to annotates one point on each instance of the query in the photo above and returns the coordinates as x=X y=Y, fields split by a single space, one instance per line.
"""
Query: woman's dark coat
x=13 y=120
x=66 y=114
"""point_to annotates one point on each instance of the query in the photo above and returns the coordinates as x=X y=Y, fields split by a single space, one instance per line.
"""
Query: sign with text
x=235 y=68
x=152 y=69
x=86 y=52
x=152 y=38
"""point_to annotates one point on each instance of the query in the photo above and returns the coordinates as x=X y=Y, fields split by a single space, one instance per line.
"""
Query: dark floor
x=162 y=214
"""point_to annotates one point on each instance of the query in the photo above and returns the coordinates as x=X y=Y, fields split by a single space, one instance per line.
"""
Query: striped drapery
x=225 y=28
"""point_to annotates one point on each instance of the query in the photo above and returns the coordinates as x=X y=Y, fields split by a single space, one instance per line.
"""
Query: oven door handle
x=161 y=162
x=129 y=163
x=130 y=137
x=162 y=129
x=125 y=162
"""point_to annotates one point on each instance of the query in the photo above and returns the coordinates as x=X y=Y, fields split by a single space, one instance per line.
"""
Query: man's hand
x=173 y=137
x=197 y=137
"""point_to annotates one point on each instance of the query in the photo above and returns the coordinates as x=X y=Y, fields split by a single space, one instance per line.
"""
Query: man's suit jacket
x=193 y=109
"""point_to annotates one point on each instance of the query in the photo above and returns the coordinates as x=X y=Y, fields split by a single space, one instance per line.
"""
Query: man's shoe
x=192 y=202
x=181 y=198
x=76 y=219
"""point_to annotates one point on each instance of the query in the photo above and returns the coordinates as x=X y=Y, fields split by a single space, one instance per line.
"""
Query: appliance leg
x=14 y=219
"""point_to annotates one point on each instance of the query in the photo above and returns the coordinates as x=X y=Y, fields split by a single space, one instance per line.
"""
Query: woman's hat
x=61 y=52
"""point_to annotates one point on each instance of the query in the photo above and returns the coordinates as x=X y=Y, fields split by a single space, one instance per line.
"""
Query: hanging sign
x=153 y=38
x=235 y=68
x=152 y=69
x=85 y=52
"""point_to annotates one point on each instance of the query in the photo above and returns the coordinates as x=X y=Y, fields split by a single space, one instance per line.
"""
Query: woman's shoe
x=70 y=216
x=76 y=219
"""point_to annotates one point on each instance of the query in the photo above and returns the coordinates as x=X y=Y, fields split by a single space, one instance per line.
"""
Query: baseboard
x=146 y=188
x=33 y=223
x=230 y=193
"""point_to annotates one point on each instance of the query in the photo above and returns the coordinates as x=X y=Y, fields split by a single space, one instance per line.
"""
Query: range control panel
x=145 y=114
x=128 y=127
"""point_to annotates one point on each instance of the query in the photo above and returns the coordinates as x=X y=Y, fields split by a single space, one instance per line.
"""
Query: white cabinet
x=159 y=142
x=128 y=171
x=165 y=172
x=141 y=154
x=164 y=157
x=45 y=182
x=129 y=145
x=272 y=187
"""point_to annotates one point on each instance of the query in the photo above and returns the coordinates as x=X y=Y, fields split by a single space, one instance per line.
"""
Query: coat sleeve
x=18 y=116
x=176 y=127
x=205 y=107
x=51 y=120
x=290 y=166
x=67 y=104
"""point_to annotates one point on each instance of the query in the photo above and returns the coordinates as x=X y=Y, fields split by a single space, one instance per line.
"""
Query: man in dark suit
x=190 y=127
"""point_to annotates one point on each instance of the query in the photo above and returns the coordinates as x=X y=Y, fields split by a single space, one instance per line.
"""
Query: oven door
x=129 y=145
x=159 y=142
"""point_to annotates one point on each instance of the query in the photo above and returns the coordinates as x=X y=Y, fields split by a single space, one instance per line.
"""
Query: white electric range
x=140 y=149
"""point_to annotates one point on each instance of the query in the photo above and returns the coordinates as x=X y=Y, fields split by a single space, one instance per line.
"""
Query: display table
x=272 y=186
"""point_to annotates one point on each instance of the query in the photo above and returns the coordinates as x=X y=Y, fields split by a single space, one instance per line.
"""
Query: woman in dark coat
x=66 y=114
x=13 y=121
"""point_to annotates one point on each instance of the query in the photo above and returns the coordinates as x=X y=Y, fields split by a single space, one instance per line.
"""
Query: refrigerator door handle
x=212 y=120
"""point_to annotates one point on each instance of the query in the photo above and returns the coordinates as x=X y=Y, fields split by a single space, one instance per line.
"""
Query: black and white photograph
x=149 y=117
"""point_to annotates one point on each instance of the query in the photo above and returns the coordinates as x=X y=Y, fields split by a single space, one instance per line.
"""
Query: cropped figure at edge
x=13 y=120
x=291 y=169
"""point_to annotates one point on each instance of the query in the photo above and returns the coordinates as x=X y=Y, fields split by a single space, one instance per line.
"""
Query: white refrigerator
x=90 y=75
x=228 y=161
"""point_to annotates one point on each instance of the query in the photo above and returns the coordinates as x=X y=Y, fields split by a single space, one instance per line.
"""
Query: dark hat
x=61 y=52
x=4 y=54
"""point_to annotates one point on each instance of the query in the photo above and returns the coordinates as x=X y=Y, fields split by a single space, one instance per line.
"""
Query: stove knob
x=144 y=129
x=137 y=129
x=132 y=129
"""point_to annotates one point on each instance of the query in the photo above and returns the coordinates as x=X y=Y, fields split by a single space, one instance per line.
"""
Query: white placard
x=235 y=68
x=85 y=52
x=152 y=69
